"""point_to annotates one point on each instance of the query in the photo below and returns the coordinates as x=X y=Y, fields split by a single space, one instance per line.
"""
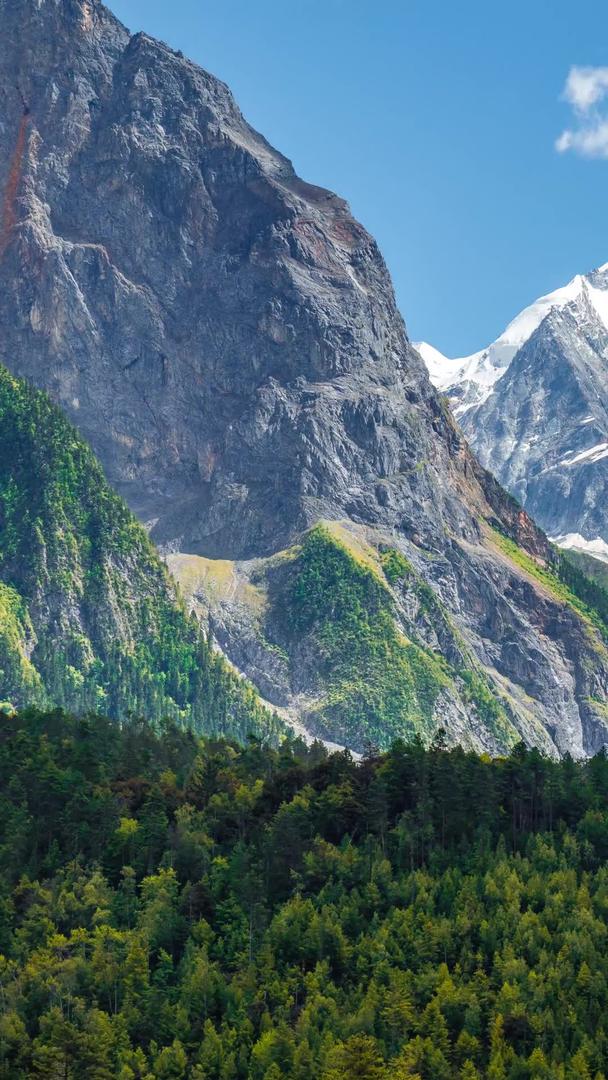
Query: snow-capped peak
x=472 y=378
x=442 y=371
x=476 y=371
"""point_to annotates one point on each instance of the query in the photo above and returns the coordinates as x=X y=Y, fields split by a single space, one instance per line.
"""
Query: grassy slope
x=378 y=681
x=564 y=581
x=375 y=684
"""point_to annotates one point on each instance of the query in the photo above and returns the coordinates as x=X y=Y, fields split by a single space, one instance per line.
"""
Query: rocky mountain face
x=89 y=617
x=534 y=406
x=225 y=336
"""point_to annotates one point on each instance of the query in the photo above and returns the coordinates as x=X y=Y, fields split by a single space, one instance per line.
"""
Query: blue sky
x=438 y=121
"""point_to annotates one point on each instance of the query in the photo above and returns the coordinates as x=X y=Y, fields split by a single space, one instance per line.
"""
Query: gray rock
x=226 y=337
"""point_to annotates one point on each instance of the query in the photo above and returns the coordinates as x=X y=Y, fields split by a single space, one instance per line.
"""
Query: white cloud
x=585 y=90
x=589 y=140
x=586 y=86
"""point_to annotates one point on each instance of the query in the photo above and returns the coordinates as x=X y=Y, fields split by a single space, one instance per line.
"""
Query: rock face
x=224 y=334
x=535 y=408
x=226 y=337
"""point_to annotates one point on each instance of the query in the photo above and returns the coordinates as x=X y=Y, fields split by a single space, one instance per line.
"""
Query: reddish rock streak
x=8 y=218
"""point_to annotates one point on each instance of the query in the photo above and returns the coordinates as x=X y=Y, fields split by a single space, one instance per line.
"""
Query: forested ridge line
x=89 y=616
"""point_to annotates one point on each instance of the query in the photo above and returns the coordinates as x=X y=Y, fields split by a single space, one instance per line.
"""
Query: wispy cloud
x=586 y=91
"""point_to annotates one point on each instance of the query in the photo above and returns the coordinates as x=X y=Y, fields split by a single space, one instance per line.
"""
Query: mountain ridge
x=538 y=419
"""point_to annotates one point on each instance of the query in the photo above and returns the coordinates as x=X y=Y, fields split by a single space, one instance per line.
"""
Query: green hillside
x=352 y=622
x=89 y=617
x=591 y=568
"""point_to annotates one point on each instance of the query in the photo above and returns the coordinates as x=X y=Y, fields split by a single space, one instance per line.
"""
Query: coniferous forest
x=177 y=908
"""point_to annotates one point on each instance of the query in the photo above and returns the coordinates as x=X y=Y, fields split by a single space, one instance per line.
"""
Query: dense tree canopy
x=174 y=908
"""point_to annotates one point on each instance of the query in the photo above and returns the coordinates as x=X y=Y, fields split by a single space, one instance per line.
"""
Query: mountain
x=534 y=406
x=89 y=618
x=226 y=338
x=224 y=335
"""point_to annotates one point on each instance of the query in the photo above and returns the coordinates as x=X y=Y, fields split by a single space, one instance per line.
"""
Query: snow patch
x=442 y=371
x=594 y=453
x=599 y=301
x=575 y=542
x=479 y=371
